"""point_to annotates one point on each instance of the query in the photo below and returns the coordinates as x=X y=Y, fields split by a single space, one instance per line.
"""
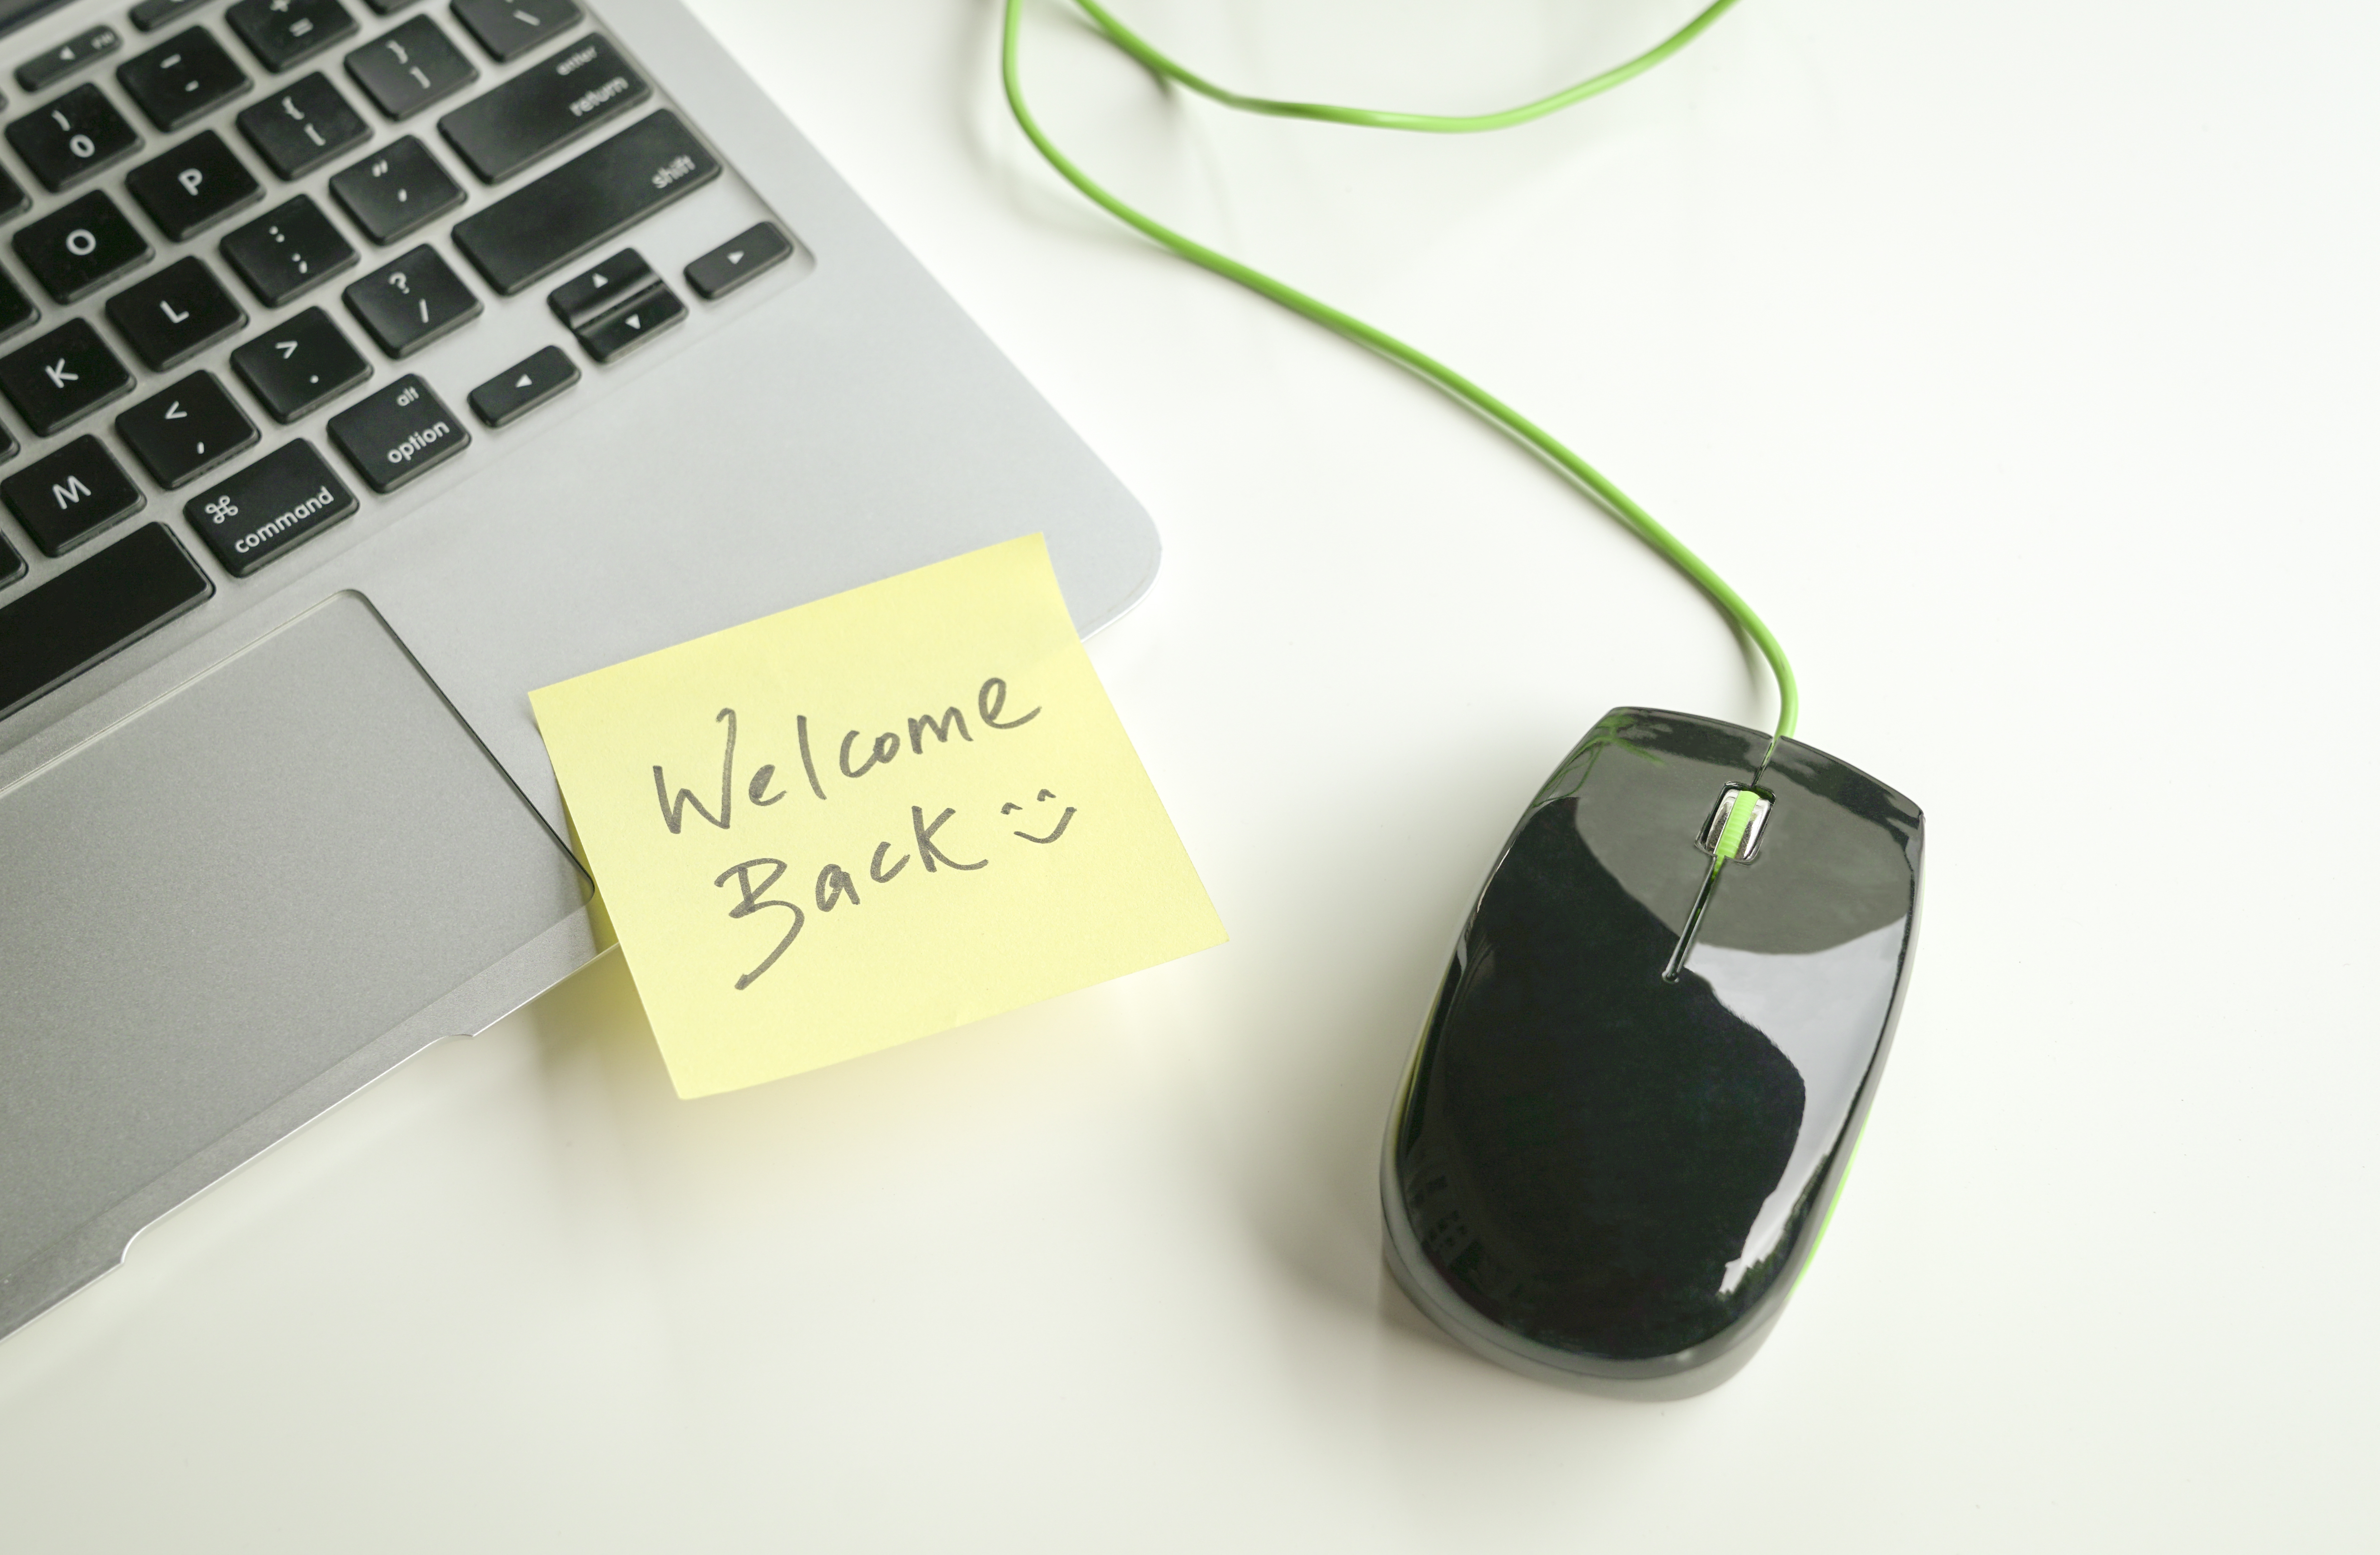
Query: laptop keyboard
x=236 y=306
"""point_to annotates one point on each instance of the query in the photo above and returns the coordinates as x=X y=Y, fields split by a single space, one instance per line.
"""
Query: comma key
x=288 y=496
x=401 y=432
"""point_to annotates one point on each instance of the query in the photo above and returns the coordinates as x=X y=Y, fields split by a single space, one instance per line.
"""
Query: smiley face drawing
x=1042 y=797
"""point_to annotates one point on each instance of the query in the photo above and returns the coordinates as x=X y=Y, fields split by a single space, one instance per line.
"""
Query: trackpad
x=219 y=902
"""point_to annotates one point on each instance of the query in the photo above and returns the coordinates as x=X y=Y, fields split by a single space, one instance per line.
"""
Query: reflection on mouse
x=1637 y=1093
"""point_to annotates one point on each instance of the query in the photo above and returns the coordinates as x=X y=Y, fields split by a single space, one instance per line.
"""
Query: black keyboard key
x=182 y=77
x=285 y=497
x=550 y=103
x=80 y=247
x=64 y=625
x=300 y=364
x=46 y=70
x=187 y=430
x=397 y=190
x=585 y=298
x=586 y=201
x=62 y=377
x=13 y=199
x=522 y=387
x=399 y=432
x=73 y=136
x=282 y=32
x=64 y=498
x=17 y=310
x=288 y=250
x=8 y=451
x=509 y=28
x=624 y=328
x=192 y=186
x=151 y=15
x=737 y=260
x=411 y=301
x=303 y=125
x=409 y=68
x=12 y=567
x=172 y=316
x=387 y=7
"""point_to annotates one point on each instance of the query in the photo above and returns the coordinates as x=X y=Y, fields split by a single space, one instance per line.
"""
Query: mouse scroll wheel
x=1731 y=834
x=1733 y=829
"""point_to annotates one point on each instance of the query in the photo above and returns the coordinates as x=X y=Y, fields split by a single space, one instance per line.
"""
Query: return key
x=553 y=102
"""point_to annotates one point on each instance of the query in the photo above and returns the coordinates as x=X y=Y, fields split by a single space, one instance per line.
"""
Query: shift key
x=585 y=202
x=402 y=431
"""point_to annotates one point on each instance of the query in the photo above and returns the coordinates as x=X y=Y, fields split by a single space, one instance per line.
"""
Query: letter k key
x=62 y=377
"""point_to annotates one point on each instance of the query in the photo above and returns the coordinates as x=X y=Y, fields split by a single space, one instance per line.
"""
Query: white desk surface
x=2018 y=360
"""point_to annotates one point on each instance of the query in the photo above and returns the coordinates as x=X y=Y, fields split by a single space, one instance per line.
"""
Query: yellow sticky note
x=867 y=819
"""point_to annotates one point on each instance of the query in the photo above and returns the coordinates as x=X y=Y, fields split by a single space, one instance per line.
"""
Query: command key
x=398 y=433
x=288 y=496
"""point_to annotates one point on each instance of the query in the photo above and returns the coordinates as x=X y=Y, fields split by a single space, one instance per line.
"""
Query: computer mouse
x=1638 y=1092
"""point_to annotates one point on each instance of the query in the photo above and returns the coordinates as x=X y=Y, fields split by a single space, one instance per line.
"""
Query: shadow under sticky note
x=867 y=819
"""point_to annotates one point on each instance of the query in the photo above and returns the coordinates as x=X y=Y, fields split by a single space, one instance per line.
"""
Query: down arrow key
x=630 y=325
x=522 y=386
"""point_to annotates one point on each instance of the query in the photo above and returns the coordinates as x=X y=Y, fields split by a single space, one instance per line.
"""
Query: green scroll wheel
x=1739 y=821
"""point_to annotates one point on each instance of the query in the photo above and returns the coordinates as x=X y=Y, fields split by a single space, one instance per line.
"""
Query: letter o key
x=80 y=242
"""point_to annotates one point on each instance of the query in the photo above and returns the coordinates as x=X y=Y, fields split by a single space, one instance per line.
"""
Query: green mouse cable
x=1645 y=525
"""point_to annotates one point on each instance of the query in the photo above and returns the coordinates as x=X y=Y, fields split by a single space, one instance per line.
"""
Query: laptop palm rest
x=230 y=910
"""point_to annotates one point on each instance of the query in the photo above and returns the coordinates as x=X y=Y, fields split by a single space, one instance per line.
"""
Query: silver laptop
x=364 y=364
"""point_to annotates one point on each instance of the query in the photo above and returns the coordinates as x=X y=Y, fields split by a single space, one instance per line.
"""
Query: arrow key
x=582 y=300
x=522 y=386
x=737 y=260
x=624 y=328
x=187 y=430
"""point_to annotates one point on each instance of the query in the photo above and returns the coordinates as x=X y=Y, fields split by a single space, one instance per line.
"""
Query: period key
x=400 y=432
x=288 y=496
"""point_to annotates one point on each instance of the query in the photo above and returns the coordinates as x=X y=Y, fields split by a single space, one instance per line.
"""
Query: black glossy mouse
x=1637 y=1093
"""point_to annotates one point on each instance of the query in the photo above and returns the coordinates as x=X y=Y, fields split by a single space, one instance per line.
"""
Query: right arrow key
x=522 y=386
x=737 y=260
